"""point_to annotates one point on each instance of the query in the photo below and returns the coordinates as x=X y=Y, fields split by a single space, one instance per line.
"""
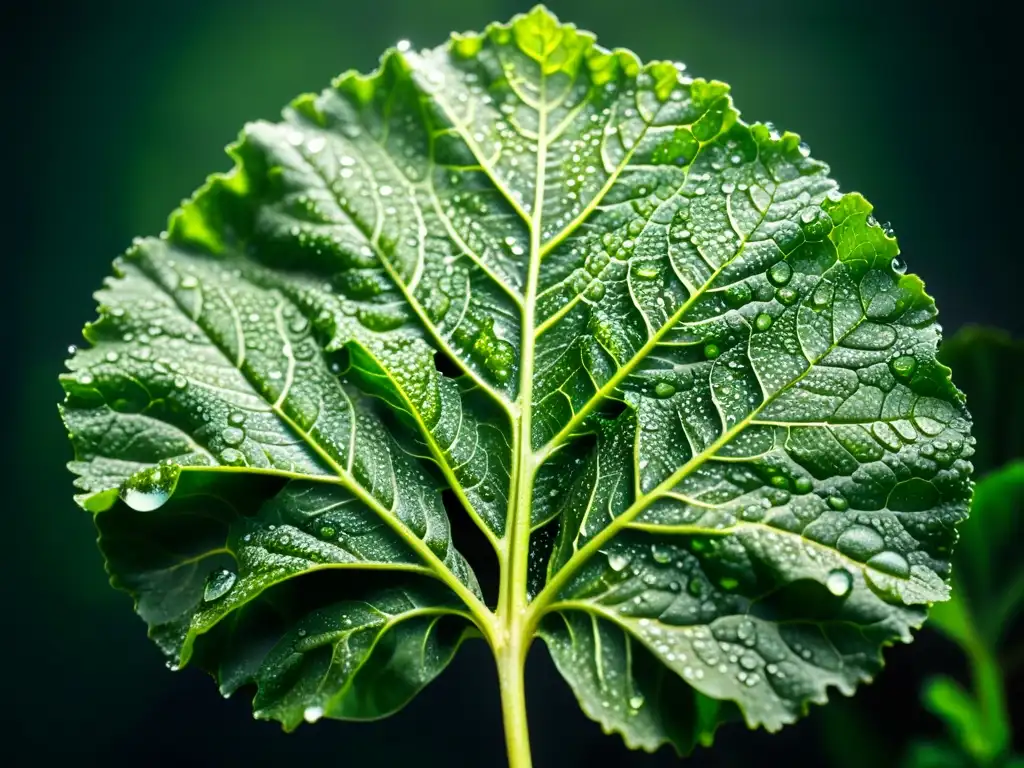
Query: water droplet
x=636 y=701
x=218 y=584
x=786 y=296
x=327 y=532
x=72 y=349
x=237 y=418
x=403 y=46
x=838 y=503
x=899 y=266
x=763 y=321
x=315 y=144
x=617 y=562
x=180 y=382
x=839 y=582
x=664 y=389
x=232 y=435
x=232 y=456
x=312 y=714
x=903 y=366
x=711 y=351
x=189 y=281
x=860 y=542
x=803 y=485
x=646 y=273
x=892 y=563
x=780 y=273
x=661 y=554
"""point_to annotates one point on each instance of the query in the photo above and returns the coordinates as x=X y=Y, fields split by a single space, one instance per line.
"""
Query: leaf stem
x=511 y=663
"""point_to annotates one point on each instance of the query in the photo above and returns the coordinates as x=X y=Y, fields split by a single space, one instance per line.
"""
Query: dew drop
x=838 y=503
x=146 y=500
x=891 y=563
x=711 y=351
x=899 y=266
x=646 y=273
x=839 y=582
x=636 y=701
x=763 y=321
x=903 y=366
x=232 y=435
x=780 y=273
x=860 y=542
x=661 y=554
x=664 y=389
x=312 y=714
x=786 y=296
x=617 y=562
x=218 y=584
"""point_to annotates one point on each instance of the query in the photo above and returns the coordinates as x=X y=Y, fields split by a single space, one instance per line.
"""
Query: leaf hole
x=447 y=366
x=473 y=545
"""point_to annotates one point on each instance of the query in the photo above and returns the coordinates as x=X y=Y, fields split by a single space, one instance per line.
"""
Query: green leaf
x=947 y=699
x=582 y=296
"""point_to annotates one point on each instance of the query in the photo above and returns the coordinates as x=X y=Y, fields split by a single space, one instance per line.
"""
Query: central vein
x=512 y=597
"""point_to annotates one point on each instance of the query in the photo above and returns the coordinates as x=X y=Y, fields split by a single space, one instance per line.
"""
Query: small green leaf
x=947 y=699
x=620 y=328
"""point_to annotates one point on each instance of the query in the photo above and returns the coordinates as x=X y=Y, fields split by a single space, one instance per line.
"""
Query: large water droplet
x=636 y=701
x=892 y=563
x=780 y=273
x=763 y=321
x=232 y=435
x=312 y=714
x=146 y=500
x=218 y=584
x=661 y=554
x=903 y=366
x=617 y=562
x=860 y=542
x=664 y=389
x=839 y=582
x=899 y=266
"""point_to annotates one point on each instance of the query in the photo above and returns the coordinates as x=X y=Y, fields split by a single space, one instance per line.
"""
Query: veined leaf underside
x=674 y=342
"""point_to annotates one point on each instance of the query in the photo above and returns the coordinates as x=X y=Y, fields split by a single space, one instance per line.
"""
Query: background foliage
x=118 y=110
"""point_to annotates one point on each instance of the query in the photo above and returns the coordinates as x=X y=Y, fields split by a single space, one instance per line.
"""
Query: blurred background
x=117 y=110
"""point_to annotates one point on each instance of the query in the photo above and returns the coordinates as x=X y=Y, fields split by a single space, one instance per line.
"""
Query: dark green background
x=117 y=110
